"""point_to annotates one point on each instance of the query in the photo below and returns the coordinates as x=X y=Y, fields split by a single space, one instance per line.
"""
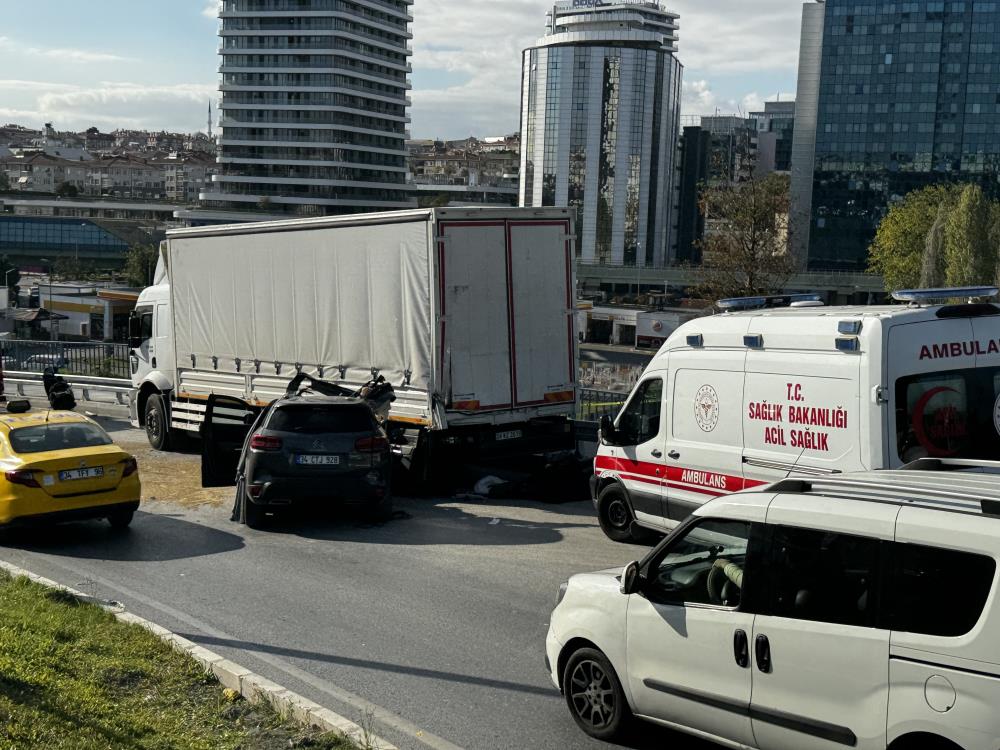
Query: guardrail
x=112 y=392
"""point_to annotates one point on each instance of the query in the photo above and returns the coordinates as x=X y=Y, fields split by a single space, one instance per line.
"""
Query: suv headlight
x=562 y=592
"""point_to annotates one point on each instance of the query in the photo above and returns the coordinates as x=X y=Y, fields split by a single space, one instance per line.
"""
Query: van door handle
x=153 y=362
x=762 y=649
x=674 y=455
x=741 y=648
x=657 y=454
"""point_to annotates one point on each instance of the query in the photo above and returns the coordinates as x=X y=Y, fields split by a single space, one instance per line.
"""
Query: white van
x=776 y=386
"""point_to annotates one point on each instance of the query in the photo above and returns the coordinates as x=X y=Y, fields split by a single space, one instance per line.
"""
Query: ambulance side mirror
x=609 y=435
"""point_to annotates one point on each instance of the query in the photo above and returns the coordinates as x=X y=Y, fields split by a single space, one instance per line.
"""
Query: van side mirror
x=630 y=579
x=609 y=435
x=134 y=331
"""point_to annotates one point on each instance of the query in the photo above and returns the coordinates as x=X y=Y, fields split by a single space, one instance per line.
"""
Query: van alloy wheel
x=593 y=695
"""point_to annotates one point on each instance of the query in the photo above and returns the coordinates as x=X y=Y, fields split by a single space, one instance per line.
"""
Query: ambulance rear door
x=944 y=387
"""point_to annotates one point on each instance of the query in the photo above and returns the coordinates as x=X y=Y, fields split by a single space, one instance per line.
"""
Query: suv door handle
x=657 y=454
x=741 y=648
x=762 y=649
x=674 y=455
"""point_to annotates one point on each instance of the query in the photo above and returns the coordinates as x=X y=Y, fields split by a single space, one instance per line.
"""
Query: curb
x=253 y=687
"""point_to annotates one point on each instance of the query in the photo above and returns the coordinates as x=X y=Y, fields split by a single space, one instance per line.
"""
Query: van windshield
x=954 y=414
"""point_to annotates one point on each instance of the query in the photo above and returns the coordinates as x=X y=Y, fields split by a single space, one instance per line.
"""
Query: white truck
x=468 y=313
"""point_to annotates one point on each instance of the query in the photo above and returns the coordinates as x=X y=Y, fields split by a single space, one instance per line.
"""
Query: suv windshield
x=56 y=437
x=321 y=419
x=953 y=414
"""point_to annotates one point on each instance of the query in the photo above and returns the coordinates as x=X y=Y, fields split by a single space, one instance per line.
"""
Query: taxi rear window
x=57 y=437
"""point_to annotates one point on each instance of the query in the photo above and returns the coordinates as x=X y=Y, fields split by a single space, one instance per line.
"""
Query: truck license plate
x=317 y=460
x=509 y=435
x=75 y=474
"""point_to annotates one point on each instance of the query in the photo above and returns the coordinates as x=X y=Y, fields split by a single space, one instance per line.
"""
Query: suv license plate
x=75 y=474
x=510 y=435
x=317 y=460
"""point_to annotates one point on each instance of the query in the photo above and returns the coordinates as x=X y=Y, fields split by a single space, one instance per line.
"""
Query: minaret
x=209 y=131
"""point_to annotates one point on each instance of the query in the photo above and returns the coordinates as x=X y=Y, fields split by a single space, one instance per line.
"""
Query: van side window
x=822 y=576
x=705 y=566
x=640 y=420
x=937 y=591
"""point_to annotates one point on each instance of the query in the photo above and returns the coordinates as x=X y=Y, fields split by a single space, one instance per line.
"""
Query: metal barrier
x=112 y=392
x=99 y=359
x=595 y=404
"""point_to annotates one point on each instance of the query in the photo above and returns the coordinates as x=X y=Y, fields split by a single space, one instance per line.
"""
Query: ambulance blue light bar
x=915 y=296
x=756 y=303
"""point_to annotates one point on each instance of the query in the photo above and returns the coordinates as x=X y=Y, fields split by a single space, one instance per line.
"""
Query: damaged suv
x=307 y=449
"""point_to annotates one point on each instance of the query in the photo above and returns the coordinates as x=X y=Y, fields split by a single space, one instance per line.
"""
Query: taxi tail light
x=265 y=443
x=371 y=445
x=23 y=477
x=130 y=467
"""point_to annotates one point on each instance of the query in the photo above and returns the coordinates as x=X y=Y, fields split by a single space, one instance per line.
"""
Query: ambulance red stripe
x=677 y=477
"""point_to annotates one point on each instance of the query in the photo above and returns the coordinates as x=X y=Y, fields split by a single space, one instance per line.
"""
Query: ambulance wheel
x=615 y=514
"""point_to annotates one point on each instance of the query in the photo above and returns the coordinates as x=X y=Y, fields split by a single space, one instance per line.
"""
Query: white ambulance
x=779 y=386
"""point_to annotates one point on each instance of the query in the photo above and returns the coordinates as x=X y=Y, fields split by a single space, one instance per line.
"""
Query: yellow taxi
x=60 y=466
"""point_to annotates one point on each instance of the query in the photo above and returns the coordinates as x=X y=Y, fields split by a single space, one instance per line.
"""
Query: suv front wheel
x=595 y=696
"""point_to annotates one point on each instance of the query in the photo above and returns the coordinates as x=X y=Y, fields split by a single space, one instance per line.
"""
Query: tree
x=745 y=249
x=73 y=269
x=140 y=265
x=970 y=254
x=933 y=272
x=67 y=190
x=4 y=182
x=897 y=252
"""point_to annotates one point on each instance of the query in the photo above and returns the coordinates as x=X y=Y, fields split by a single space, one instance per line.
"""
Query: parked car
x=41 y=361
x=302 y=450
x=59 y=466
x=854 y=611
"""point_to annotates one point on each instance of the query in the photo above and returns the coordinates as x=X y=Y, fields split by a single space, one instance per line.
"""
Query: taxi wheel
x=614 y=514
x=595 y=696
x=121 y=519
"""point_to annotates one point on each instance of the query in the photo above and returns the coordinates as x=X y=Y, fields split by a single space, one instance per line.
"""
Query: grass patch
x=74 y=678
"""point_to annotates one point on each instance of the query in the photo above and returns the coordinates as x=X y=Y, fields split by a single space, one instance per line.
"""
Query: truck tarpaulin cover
x=260 y=297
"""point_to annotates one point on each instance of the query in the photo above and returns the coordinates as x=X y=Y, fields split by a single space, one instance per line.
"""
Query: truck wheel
x=157 y=429
x=615 y=515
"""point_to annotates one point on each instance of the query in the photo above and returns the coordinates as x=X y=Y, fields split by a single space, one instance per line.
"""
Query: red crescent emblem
x=918 y=422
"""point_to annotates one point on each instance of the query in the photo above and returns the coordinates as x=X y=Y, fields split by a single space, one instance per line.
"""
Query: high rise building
x=600 y=116
x=314 y=106
x=892 y=97
x=775 y=126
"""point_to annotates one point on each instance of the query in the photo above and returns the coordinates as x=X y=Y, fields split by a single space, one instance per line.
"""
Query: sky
x=154 y=65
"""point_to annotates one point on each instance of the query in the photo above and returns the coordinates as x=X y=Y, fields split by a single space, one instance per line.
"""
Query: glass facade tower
x=907 y=94
x=314 y=106
x=600 y=117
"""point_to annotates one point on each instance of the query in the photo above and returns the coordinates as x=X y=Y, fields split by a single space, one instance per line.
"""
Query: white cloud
x=65 y=54
x=111 y=104
x=212 y=9
x=482 y=40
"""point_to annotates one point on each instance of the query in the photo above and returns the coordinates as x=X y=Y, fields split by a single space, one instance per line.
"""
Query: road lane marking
x=382 y=715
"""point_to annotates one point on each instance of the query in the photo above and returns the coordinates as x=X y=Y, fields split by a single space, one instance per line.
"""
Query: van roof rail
x=951 y=464
x=734 y=304
x=971 y=494
x=940 y=294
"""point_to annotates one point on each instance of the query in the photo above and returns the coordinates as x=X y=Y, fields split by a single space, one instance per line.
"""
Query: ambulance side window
x=640 y=420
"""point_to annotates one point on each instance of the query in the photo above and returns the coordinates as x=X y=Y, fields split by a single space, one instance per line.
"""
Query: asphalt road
x=438 y=617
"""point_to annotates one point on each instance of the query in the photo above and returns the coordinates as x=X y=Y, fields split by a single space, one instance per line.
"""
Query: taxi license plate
x=509 y=435
x=75 y=474
x=317 y=460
